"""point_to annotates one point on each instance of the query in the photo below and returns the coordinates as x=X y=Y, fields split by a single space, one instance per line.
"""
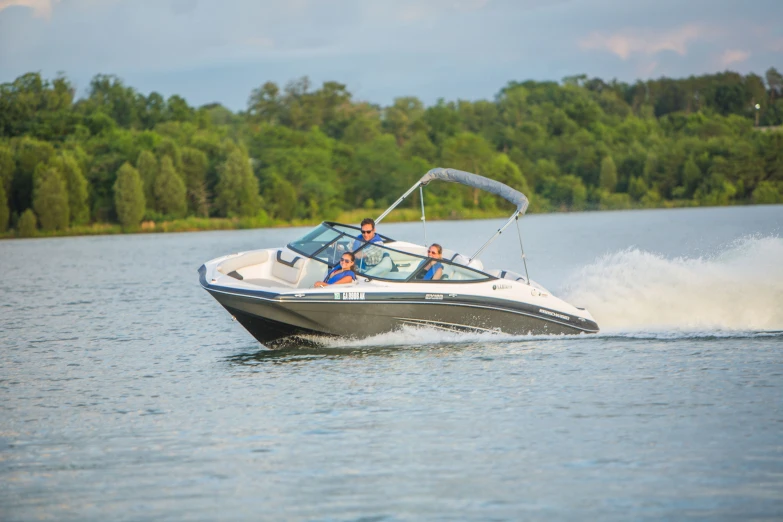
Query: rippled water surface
x=128 y=393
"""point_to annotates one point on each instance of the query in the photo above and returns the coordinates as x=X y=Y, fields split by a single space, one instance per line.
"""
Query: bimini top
x=479 y=182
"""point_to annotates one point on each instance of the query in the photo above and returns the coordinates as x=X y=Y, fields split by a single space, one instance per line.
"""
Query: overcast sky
x=218 y=51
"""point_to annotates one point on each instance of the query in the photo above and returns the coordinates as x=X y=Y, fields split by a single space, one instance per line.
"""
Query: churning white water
x=739 y=288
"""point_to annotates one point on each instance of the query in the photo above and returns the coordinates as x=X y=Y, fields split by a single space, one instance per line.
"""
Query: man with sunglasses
x=368 y=256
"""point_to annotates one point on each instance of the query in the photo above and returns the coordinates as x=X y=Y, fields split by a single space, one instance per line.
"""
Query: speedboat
x=270 y=291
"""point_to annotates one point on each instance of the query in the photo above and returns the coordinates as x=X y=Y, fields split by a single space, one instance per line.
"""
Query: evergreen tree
x=608 y=174
x=170 y=190
x=129 y=197
x=4 y=211
x=76 y=186
x=148 y=168
x=194 y=168
x=29 y=154
x=691 y=177
x=237 y=188
x=280 y=196
x=50 y=198
x=27 y=224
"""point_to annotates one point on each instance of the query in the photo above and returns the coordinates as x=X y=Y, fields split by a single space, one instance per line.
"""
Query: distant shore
x=193 y=224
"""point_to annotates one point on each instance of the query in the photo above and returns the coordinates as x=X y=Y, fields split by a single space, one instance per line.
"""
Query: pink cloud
x=41 y=8
x=644 y=41
x=733 y=56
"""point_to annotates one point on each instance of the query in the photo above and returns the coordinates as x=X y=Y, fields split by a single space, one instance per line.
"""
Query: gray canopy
x=479 y=182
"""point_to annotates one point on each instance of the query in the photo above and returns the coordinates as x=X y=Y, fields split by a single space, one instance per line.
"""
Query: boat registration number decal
x=351 y=296
x=436 y=297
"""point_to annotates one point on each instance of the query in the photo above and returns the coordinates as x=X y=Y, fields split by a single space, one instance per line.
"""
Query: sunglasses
x=366 y=231
x=346 y=261
x=433 y=252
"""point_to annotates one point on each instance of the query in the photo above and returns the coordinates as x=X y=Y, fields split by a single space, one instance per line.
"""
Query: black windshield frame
x=412 y=278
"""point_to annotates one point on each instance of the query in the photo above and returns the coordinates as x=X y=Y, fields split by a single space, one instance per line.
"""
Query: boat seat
x=464 y=261
x=266 y=282
x=286 y=267
x=506 y=274
x=381 y=269
x=242 y=260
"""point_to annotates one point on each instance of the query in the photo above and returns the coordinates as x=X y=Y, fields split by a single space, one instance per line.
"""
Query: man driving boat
x=368 y=256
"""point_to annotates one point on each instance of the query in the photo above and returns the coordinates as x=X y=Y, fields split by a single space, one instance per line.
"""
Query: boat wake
x=737 y=292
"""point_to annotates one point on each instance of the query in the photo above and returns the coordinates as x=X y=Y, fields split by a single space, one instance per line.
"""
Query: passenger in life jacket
x=341 y=274
x=434 y=267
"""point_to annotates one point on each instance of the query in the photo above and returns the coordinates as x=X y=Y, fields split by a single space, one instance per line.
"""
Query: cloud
x=41 y=8
x=631 y=41
x=731 y=56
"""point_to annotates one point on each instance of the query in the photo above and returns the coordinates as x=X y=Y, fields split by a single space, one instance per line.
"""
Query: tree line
x=304 y=153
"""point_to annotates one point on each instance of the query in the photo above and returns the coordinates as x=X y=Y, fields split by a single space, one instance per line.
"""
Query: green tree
x=4 y=211
x=148 y=168
x=691 y=177
x=194 y=168
x=76 y=186
x=766 y=193
x=470 y=152
x=280 y=197
x=608 y=174
x=506 y=171
x=170 y=192
x=50 y=198
x=29 y=154
x=129 y=197
x=27 y=224
x=404 y=118
x=237 y=187
x=7 y=168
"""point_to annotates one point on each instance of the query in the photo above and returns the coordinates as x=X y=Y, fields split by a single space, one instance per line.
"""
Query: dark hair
x=368 y=221
x=351 y=255
x=438 y=248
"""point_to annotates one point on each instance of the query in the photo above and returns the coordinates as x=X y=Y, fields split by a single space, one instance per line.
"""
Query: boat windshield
x=381 y=262
x=321 y=236
x=328 y=241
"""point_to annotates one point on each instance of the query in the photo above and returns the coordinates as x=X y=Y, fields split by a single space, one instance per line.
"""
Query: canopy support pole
x=394 y=205
x=423 y=219
x=500 y=231
x=524 y=259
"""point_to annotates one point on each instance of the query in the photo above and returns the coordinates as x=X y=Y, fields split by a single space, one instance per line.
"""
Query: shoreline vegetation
x=196 y=224
x=119 y=161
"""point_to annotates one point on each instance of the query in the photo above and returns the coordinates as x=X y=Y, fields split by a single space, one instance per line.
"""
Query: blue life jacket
x=431 y=272
x=332 y=278
x=360 y=241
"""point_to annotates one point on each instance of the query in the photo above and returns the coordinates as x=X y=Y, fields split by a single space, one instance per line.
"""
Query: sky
x=218 y=51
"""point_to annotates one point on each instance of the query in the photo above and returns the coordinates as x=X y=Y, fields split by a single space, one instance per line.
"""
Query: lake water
x=128 y=393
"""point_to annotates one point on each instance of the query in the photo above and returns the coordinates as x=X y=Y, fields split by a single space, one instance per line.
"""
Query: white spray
x=739 y=289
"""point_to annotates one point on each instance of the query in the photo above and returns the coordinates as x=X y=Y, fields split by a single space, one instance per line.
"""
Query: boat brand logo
x=435 y=297
x=553 y=314
x=501 y=287
x=353 y=296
